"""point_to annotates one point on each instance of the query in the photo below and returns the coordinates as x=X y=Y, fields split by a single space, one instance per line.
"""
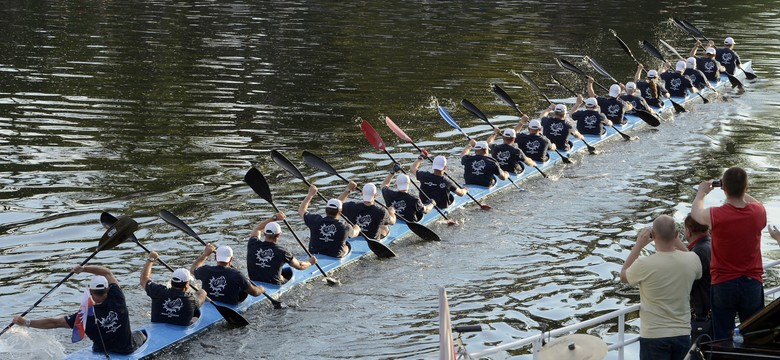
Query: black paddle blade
x=624 y=135
x=622 y=43
x=423 y=232
x=505 y=97
x=652 y=50
x=231 y=316
x=168 y=217
x=749 y=75
x=474 y=110
x=108 y=220
x=318 y=163
x=591 y=149
x=693 y=29
x=287 y=165
x=565 y=159
x=647 y=117
x=117 y=233
x=600 y=69
x=379 y=249
x=734 y=81
x=257 y=182
x=569 y=66
x=677 y=107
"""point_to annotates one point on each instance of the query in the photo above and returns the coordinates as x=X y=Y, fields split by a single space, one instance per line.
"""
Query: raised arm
x=202 y=258
x=416 y=166
x=97 y=270
x=589 y=87
x=261 y=226
x=523 y=121
x=638 y=74
x=304 y=207
x=466 y=150
x=146 y=272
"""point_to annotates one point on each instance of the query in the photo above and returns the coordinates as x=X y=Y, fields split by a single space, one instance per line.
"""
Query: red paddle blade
x=372 y=136
x=398 y=132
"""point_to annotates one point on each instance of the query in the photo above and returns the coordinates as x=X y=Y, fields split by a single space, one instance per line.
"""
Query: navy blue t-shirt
x=114 y=321
x=646 y=90
x=223 y=283
x=437 y=187
x=589 y=122
x=557 y=130
x=368 y=217
x=697 y=78
x=709 y=67
x=479 y=170
x=728 y=58
x=170 y=305
x=638 y=102
x=509 y=157
x=327 y=235
x=613 y=108
x=264 y=261
x=676 y=83
x=534 y=146
x=407 y=206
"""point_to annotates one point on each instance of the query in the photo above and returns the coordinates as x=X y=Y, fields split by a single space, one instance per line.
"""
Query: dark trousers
x=668 y=348
x=742 y=296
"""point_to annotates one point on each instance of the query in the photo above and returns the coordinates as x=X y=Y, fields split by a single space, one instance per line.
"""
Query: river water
x=133 y=107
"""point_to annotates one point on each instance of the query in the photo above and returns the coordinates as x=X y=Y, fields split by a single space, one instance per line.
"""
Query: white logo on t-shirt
x=171 y=307
x=327 y=231
x=263 y=257
x=477 y=167
x=217 y=284
x=110 y=322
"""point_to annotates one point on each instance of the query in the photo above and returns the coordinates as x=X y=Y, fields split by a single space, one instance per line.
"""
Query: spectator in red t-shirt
x=736 y=268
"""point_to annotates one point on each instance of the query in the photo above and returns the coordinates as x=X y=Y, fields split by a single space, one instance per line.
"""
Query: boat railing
x=619 y=345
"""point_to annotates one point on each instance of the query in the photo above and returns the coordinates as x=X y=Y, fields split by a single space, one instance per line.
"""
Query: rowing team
x=109 y=325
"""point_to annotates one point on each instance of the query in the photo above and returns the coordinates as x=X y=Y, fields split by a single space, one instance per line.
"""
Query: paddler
x=611 y=106
x=175 y=304
x=697 y=77
x=434 y=184
x=727 y=57
x=113 y=333
x=407 y=206
x=510 y=158
x=557 y=128
x=265 y=259
x=676 y=83
x=222 y=282
x=481 y=169
x=589 y=120
x=373 y=219
x=327 y=234
x=534 y=144
x=650 y=89
x=707 y=63
x=636 y=100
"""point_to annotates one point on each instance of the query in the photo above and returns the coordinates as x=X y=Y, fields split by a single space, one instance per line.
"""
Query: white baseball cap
x=402 y=182
x=272 y=228
x=614 y=90
x=560 y=108
x=481 y=145
x=510 y=133
x=691 y=62
x=729 y=41
x=711 y=51
x=591 y=102
x=680 y=66
x=630 y=85
x=334 y=204
x=652 y=74
x=224 y=253
x=98 y=282
x=439 y=162
x=369 y=190
x=180 y=276
x=535 y=124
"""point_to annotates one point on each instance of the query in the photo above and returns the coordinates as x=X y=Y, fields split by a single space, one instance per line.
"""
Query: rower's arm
x=461 y=191
x=577 y=134
x=351 y=186
x=589 y=87
x=695 y=48
x=303 y=265
x=261 y=226
x=45 y=323
x=698 y=211
x=146 y=272
x=523 y=121
x=307 y=200
x=255 y=290
x=97 y=270
x=386 y=181
x=416 y=166
x=492 y=136
x=638 y=74
x=203 y=256
x=467 y=149
x=578 y=103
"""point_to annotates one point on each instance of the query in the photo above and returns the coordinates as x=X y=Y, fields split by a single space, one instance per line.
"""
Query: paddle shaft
x=50 y=291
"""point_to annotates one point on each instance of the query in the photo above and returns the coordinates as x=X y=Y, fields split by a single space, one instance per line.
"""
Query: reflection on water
x=135 y=107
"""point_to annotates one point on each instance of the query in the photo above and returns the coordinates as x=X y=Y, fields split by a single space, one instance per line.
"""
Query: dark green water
x=132 y=107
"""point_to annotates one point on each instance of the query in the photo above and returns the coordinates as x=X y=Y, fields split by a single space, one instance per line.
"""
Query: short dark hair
x=178 y=285
x=735 y=181
x=331 y=211
x=694 y=226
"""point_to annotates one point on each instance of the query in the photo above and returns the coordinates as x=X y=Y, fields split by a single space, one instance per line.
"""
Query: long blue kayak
x=164 y=336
